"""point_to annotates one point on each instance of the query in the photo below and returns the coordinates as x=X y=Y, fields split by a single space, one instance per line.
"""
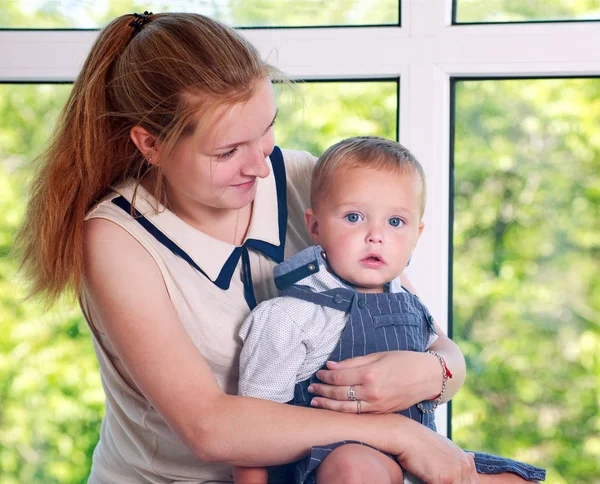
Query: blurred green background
x=526 y=290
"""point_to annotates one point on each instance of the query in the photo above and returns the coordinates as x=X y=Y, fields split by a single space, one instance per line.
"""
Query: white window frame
x=426 y=53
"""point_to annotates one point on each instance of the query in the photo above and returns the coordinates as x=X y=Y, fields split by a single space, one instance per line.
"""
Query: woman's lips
x=246 y=185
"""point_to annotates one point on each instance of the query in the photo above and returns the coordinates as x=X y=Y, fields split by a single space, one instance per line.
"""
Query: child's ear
x=421 y=227
x=312 y=225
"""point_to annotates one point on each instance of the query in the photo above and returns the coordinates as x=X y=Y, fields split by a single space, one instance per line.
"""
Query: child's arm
x=274 y=350
x=455 y=361
x=250 y=475
x=268 y=357
x=449 y=351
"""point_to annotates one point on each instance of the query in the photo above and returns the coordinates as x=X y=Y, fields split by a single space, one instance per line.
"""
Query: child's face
x=368 y=223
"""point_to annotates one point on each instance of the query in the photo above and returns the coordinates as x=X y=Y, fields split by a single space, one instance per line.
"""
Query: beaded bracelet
x=445 y=375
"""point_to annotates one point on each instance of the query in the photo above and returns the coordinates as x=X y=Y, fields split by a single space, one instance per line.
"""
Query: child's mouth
x=373 y=260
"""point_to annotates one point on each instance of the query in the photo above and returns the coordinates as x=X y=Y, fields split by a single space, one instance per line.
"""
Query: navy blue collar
x=166 y=219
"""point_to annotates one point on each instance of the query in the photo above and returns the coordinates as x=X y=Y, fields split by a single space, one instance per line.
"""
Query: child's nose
x=374 y=236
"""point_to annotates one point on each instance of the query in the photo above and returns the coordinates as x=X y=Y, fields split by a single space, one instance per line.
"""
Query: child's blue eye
x=353 y=217
x=395 y=221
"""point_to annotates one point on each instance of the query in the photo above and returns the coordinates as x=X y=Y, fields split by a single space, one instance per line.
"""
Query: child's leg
x=358 y=464
x=506 y=478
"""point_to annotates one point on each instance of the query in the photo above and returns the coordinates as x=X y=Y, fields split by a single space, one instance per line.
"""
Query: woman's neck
x=225 y=224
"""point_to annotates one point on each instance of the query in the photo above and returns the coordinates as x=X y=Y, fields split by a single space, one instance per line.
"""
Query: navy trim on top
x=274 y=252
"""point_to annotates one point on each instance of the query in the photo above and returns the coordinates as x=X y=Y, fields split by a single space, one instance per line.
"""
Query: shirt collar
x=309 y=268
x=211 y=256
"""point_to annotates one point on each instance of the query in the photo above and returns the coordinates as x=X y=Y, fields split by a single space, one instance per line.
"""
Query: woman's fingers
x=342 y=376
x=341 y=393
x=353 y=362
x=358 y=406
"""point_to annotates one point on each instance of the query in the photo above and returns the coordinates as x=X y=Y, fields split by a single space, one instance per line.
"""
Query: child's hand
x=383 y=382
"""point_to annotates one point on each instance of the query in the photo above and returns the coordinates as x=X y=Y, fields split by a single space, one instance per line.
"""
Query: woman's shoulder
x=299 y=165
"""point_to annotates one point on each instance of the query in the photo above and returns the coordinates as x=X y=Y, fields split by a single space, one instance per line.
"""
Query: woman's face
x=218 y=170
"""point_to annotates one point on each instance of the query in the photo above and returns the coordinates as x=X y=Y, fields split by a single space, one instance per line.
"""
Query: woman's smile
x=245 y=185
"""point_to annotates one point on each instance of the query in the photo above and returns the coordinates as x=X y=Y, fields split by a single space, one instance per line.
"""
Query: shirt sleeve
x=431 y=340
x=274 y=350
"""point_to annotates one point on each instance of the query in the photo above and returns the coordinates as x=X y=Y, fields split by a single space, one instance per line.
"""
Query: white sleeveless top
x=204 y=279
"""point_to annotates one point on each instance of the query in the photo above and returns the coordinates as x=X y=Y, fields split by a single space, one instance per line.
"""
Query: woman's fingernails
x=314 y=403
x=311 y=389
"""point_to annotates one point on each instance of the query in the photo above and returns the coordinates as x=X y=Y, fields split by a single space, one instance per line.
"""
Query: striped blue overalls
x=381 y=322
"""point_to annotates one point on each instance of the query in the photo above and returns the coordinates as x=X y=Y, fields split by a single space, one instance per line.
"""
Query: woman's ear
x=312 y=225
x=146 y=143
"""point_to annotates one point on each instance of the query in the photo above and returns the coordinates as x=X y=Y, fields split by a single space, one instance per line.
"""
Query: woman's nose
x=257 y=164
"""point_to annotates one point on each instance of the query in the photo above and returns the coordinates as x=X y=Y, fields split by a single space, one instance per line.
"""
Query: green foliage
x=526 y=246
x=521 y=11
x=52 y=401
x=92 y=14
x=314 y=115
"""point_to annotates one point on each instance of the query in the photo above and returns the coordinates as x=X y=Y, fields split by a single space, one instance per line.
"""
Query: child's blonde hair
x=364 y=152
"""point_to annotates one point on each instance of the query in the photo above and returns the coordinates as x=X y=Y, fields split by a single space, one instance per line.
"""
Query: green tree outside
x=526 y=289
x=526 y=265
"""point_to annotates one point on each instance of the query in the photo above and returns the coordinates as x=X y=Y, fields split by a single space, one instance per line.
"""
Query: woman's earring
x=408 y=263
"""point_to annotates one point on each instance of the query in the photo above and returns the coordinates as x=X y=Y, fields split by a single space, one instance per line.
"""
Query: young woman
x=164 y=205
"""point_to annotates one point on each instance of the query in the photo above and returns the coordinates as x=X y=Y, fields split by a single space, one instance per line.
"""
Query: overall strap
x=340 y=298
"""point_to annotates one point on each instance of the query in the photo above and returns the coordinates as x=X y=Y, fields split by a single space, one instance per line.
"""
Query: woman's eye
x=227 y=154
x=353 y=217
x=396 y=222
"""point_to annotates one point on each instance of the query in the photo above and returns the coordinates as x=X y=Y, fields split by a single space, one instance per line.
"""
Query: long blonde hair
x=159 y=77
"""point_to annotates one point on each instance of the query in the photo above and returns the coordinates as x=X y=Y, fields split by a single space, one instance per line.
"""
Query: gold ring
x=358 y=406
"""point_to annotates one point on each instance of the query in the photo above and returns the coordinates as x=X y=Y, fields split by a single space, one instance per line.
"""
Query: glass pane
x=52 y=402
x=50 y=392
x=314 y=115
x=526 y=272
x=90 y=14
x=490 y=11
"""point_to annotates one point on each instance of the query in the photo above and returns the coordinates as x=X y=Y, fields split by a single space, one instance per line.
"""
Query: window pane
x=526 y=271
x=50 y=392
x=89 y=14
x=485 y=11
x=314 y=115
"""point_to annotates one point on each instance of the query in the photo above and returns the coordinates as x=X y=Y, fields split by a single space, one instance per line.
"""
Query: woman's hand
x=434 y=458
x=383 y=382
